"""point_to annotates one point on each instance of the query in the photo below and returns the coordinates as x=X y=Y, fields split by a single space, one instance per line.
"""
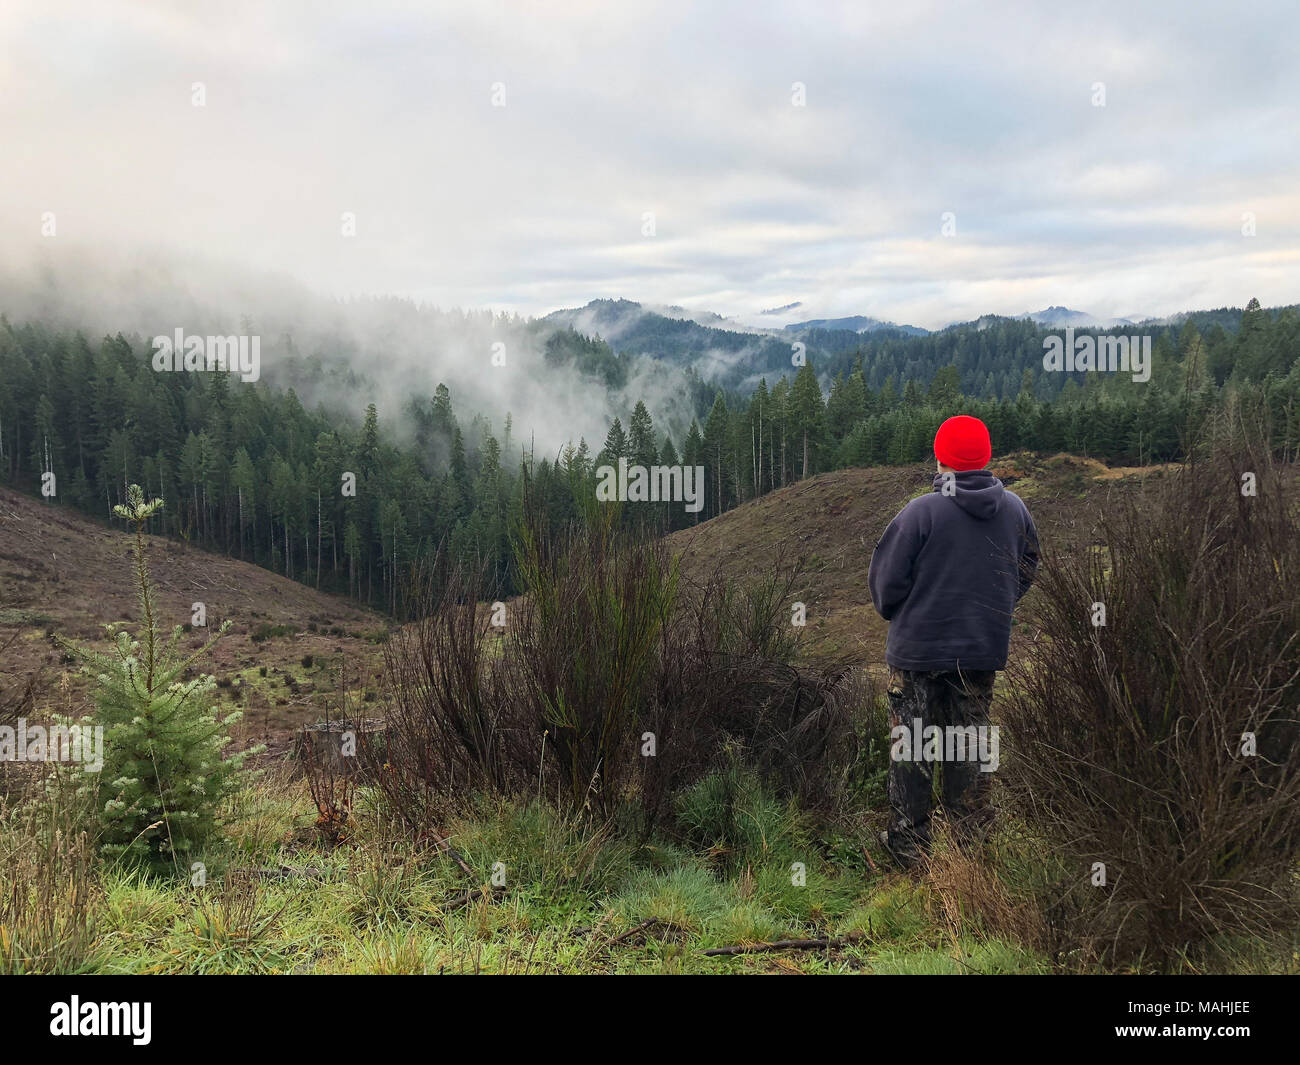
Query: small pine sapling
x=164 y=777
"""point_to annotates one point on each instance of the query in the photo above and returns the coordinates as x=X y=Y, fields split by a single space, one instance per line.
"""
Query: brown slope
x=63 y=574
x=834 y=520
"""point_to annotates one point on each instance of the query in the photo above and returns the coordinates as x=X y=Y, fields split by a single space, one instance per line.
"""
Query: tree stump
x=341 y=748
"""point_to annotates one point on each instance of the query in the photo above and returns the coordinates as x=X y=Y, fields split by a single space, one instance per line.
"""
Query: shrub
x=452 y=723
x=1130 y=741
x=266 y=631
x=609 y=687
x=584 y=652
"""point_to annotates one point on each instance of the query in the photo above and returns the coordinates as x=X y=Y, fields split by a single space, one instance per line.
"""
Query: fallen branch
x=445 y=846
x=472 y=896
x=786 y=944
x=309 y=872
x=649 y=922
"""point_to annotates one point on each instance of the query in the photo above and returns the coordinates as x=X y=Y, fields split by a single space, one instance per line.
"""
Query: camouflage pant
x=942 y=699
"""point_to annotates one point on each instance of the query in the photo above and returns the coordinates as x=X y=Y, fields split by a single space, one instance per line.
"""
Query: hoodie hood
x=977 y=492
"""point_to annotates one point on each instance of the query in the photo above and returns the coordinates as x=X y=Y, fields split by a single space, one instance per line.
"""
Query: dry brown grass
x=971 y=901
x=49 y=893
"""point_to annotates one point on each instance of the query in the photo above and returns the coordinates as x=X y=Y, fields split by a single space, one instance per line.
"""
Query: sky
x=1104 y=156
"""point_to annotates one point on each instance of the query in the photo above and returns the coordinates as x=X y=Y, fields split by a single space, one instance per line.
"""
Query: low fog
x=385 y=350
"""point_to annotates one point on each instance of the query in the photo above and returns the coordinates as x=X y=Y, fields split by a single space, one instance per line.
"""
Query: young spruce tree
x=164 y=776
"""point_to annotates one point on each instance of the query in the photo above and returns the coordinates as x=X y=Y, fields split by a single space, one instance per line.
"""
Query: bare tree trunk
x=719 y=469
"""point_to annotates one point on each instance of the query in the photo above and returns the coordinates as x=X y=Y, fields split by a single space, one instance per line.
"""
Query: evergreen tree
x=945 y=388
x=715 y=453
x=808 y=416
x=163 y=769
x=693 y=455
x=616 y=446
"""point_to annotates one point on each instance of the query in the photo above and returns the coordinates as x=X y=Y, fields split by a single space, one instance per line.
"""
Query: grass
x=574 y=900
x=273 y=898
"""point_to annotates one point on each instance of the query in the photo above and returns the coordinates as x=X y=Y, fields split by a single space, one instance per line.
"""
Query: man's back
x=948 y=572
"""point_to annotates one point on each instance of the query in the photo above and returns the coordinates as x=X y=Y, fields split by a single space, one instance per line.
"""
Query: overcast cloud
x=913 y=109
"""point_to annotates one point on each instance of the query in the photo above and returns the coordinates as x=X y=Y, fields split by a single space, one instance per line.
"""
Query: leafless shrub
x=1131 y=741
x=333 y=792
x=609 y=687
x=583 y=652
x=454 y=725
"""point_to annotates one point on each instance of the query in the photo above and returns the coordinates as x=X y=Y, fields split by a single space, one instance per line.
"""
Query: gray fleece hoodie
x=948 y=572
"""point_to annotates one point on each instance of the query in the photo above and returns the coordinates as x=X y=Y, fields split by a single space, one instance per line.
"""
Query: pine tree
x=693 y=453
x=945 y=388
x=887 y=399
x=641 y=437
x=460 y=474
x=163 y=767
x=715 y=449
x=758 y=414
x=244 y=480
x=846 y=405
x=809 y=416
x=615 y=446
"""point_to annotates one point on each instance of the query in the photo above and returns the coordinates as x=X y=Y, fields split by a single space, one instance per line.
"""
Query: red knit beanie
x=962 y=443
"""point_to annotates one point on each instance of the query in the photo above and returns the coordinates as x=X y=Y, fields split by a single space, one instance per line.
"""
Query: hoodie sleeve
x=890 y=574
x=1028 y=555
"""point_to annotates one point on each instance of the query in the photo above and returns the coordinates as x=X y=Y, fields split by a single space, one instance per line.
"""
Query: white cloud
x=682 y=109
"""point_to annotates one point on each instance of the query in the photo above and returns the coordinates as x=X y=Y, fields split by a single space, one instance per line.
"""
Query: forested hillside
x=991 y=353
x=248 y=470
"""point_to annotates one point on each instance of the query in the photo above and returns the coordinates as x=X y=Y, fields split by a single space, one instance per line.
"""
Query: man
x=947 y=574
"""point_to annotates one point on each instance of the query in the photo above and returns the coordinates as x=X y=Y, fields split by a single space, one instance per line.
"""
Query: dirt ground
x=62 y=575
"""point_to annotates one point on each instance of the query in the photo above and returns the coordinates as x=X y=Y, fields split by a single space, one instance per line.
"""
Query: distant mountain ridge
x=1060 y=317
x=858 y=323
x=721 y=349
x=991 y=351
